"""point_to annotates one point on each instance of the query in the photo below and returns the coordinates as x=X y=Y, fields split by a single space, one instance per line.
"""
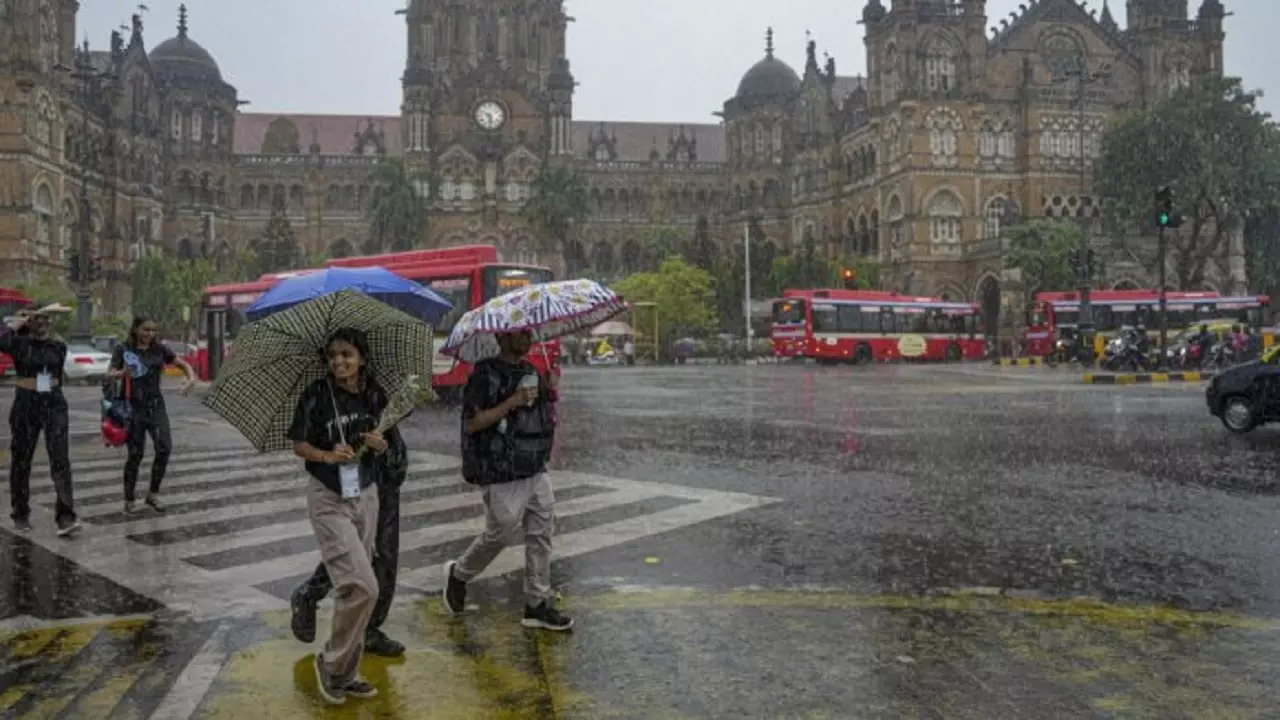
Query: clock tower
x=488 y=101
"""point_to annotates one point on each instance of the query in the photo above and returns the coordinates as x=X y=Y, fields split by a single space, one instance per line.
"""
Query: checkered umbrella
x=275 y=359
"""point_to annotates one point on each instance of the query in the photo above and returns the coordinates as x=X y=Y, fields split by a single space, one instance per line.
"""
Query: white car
x=85 y=364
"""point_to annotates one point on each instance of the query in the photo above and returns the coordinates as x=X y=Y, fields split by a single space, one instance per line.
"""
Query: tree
x=1209 y=142
x=170 y=290
x=1262 y=224
x=684 y=296
x=800 y=270
x=559 y=200
x=398 y=214
x=1041 y=249
x=866 y=272
x=277 y=249
x=702 y=249
x=659 y=244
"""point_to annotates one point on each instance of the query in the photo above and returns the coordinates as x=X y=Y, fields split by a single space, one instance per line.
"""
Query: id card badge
x=44 y=382
x=349 y=475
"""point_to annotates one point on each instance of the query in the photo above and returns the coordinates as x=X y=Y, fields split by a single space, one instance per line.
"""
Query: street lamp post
x=82 y=271
x=1084 y=78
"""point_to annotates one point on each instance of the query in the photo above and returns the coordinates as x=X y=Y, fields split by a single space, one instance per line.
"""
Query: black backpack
x=517 y=449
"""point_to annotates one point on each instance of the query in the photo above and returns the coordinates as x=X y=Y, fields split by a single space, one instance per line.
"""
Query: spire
x=182 y=21
x=768 y=42
x=1107 y=20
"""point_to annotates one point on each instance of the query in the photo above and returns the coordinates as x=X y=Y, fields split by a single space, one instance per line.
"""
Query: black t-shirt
x=146 y=366
x=31 y=356
x=316 y=423
x=520 y=446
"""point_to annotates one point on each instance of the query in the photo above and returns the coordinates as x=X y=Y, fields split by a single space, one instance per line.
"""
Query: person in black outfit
x=38 y=405
x=391 y=469
x=142 y=360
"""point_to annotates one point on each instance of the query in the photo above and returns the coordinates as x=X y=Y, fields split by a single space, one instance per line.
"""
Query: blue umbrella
x=380 y=283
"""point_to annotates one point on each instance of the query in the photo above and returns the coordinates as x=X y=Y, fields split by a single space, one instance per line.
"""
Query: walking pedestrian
x=507 y=437
x=330 y=424
x=142 y=360
x=38 y=405
x=391 y=471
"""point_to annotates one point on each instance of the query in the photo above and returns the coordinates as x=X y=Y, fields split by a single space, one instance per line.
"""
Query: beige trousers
x=510 y=508
x=345 y=530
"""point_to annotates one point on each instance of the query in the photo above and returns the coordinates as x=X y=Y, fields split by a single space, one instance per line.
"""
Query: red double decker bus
x=11 y=301
x=866 y=325
x=1113 y=310
x=467 y=276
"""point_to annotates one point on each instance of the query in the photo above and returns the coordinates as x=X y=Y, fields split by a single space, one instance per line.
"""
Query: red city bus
x=866 y=325
x=11 y=301
x=467 y=276
x=1115 y=309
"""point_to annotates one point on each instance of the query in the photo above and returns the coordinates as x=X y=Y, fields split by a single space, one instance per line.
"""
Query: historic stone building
x=963 y=124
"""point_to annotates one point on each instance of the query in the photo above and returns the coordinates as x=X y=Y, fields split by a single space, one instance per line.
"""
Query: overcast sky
x=645 y=60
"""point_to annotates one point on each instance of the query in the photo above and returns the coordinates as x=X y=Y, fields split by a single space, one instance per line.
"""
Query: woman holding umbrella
x=334 y=416
x=329 y=378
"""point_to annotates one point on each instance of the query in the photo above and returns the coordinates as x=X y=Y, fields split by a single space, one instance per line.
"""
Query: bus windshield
x=788 y=312
x=456 y=290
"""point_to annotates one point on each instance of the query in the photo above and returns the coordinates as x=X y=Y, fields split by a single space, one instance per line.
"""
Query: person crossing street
x=38 y=406
x=391 y=470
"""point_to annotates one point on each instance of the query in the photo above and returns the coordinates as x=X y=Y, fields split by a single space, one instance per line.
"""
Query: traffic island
x=1107 y=378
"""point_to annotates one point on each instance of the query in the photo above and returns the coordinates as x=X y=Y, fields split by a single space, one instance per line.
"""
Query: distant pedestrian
x=331 y=422
x=629 y=351
x=142 y=360
x=508 y=432
x=38 y=406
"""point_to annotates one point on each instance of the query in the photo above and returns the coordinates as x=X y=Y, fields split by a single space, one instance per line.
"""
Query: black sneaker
x=22 y=524
x=377 y=643
x=329 y=690
x=455 y=591
x=303 y=620
x=546 y=617
x=360 y=689
x=67 y=528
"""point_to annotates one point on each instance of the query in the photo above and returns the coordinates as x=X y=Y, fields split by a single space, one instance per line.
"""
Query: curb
x=1020 y=362
x=1144 y=378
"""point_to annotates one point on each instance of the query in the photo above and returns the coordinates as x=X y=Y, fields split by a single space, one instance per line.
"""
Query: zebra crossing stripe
x=237 y=526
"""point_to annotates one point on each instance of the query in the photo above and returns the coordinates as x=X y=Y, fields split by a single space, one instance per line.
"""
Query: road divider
x=1105 y=378
x=1020 y=362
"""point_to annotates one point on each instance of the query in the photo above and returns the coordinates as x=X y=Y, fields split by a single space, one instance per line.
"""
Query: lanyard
x=337 y=415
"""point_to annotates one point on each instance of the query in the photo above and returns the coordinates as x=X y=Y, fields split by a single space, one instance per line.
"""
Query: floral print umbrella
x=547 y=311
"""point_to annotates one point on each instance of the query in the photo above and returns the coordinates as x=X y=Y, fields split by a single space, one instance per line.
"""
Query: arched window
x=175 y=121
x=945 y=213
x=992 y=216
x=940 y=66
x=944 y=136
x=45 y=211
x=197 y=125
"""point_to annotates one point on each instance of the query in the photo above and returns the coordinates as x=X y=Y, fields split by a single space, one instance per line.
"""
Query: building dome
x=769 y=77
x=182 y=59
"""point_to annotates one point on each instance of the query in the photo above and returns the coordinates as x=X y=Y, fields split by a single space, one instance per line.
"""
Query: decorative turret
x=873 y=12
x=1107 y=20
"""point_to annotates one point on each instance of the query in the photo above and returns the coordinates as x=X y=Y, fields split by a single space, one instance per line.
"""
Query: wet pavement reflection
x=931 y=541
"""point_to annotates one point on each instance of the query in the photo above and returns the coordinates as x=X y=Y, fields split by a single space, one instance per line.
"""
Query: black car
x=1247 y=395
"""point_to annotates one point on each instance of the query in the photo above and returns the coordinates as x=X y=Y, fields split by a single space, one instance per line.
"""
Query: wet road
x=771 y=541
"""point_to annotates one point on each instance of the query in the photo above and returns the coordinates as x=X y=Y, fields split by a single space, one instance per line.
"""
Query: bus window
x=788 y=312
x=1037 y=318
x=849 y=318
x=916 y=323
x=456 y=290
x=502 y=280
x=825 y=319
x=889 y=321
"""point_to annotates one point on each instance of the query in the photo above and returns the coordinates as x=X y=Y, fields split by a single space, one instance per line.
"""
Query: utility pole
x=84 y=265
x=1085 y=269
x=1166 y=217
x=746 y=296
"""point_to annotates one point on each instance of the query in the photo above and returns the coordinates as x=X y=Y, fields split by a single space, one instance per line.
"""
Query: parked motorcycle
x=1124 y=353
x=1068 y=350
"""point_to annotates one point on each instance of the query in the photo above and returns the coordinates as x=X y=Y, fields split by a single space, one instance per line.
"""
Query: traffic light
x=95 y=269
x=1090 y=265
x=850 y=279
x=1166 y=217
x=73 y=267
x=1073 y=260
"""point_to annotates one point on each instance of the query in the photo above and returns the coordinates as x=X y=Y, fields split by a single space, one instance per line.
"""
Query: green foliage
x=1041 y=249
x=684 y=295
x=805 y=269
x=48 y=288
x=1217 y=150
x=277 y=249
x=398 y=214
x=558 y=201
x=166 y=288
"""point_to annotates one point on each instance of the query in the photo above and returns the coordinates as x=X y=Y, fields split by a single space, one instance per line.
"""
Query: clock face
x=490 y=115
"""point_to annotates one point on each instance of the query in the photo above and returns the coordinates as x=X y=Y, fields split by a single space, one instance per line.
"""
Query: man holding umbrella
x=508 y=429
